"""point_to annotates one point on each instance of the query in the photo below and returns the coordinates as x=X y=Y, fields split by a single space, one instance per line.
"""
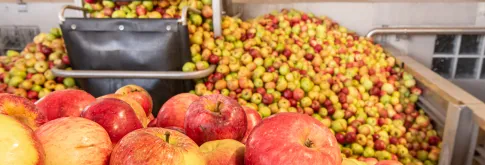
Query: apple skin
x=370 y=161
x=114 y=115
x=288 y=131
x=21 y=109
x=74 y=141
x=203 y=124
x=253 y=119
x=172 y=113
x=389 y=162
x=64 y=103
x=148 y=146
x=19 y=144
x=138 y=94
x=140 y=112
x=223 y=152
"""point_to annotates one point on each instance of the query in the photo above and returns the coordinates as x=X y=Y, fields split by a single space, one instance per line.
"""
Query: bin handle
x=177 y=75
x=183 y=18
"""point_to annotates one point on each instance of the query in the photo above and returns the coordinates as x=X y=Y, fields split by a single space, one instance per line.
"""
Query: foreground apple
x=18 y=143
x=253 y=119
x=64 y=103
x=389 y=162
x=346 y=161
x=153 y=146
x=138 y=94
x=309 y=141
x=21 y=109
x=215 y=117
x=114 y=115
x=140 y=112
x=172 y=113
x=223 y=152
x=74 y=141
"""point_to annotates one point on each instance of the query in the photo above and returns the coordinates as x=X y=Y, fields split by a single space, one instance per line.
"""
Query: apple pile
x=28 y=73
x=144 y=9
x=291 y=61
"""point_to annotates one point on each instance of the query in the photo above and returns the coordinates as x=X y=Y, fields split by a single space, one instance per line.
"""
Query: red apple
x=153 y=146
x=139 y=111
x=114 y=115
x=223 y=152
x=309 y=141
x=21 y=109
x=138 y=94
x=19 y=145
x=64 y=103
x=74 y=141
x=173 y=111
x=253 y=118
x=215 y=117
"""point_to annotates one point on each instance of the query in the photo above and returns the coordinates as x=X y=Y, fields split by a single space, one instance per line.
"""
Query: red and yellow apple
x=64 y=103
x=172 y=113
x=138 y=94
x=21 y=109
x=74 y=141
x=18 y=143
x=140 y=113
x=253 y=119
x=292 y=138
x=114 y=115
x=153 y=146
x=223 y=152
x=215 y=117
x=389 y=162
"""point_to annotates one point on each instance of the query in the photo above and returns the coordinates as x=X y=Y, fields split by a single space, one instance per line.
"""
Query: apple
x=139 y=111
x=215 y=117
x=173 y=110
x=253 y=119
x=64 y=103
x=74 y=141
x=153 y=146
x=138 y=94
x=223 y=152
x=389 y=162
x=19 y=144
x=114 y=115
x=21 y=109
x=309 y=141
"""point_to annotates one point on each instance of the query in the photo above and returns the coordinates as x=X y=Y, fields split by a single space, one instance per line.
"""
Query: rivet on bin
x=169 y=27
x=121 y=27
x=73 y=26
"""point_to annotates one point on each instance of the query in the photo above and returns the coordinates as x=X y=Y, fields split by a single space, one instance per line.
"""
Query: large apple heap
x=296 y=62
x=144 y=9
x=28 y=73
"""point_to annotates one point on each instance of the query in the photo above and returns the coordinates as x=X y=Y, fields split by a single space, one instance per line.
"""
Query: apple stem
x=217 y=106
x=167 y=136
x=308 y=143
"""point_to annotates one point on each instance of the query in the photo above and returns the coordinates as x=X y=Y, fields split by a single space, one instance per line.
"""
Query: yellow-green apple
x=309 y=141
x=172 y=113
x=138 y=94
x=140 y=113
x=223 y=152
x=215 y=117
x=389 y=162
x=64 y=103
x=74 y=141
x=114 y=115
x=21 y=109
x=153 y=146
x=18 y=143
x=253 y=119
x=347 y=161
x=370 y=161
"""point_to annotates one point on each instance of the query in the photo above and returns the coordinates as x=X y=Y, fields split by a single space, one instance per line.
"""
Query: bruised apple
x=21 y=109
x=138 y=94
x=309 y=141
x=253 y=119
x=64 y=103
x=215 y=117
x=74 y=141
x=172 y=113
x=18 y=143
x=153 y=146
x=140 y=113
x=223 y=152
